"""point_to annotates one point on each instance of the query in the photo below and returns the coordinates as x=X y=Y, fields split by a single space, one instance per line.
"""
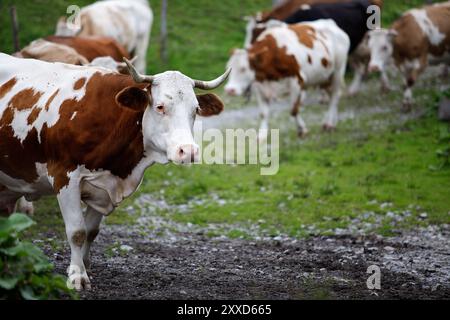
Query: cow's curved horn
x=137 y=77
x=209 y=85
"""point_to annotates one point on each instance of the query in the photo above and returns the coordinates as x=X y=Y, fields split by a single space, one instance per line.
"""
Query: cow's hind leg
x=92 y=220
x=297 y=98
x=70 y=204
x=331 y=118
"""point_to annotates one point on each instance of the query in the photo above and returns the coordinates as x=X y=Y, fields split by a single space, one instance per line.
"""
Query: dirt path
x=413 y=265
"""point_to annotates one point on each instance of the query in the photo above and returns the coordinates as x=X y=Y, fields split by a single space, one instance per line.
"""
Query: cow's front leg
x=408 y=95
x=92 y=220
x=385 y=83
x=359 y=73
x=70 y=204
x=263 y=103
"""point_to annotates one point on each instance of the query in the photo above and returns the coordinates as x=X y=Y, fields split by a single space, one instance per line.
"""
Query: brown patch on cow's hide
x=101 y=136
x=7 y=86
x=257 y=31
x=305 y=34
x=79 y=84
x=25 y=99
x=272 y=63
x=33 y=115
x=325 y=62
x=50 y=100
x=79 y=237
x=18 y=159
x=209 y=105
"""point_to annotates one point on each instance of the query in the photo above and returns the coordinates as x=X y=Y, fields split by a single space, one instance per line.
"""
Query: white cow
x=128 y=22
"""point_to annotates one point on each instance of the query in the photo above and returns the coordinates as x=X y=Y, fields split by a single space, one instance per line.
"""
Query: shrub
x=25 y=272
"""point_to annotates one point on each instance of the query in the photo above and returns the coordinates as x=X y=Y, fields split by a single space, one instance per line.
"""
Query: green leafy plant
x=25 y=272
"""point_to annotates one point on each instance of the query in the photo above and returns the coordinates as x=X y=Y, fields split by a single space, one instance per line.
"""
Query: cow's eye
x=385 y=48
x=161 y=109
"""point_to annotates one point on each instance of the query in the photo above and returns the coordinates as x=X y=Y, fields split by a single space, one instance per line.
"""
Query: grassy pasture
x=323 y=181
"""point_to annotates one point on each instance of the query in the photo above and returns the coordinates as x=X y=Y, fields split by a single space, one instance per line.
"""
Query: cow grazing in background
x=51 y=52
x=77 y=51
x=127 y=22
x=302 y=55
x=87 y=134
x=419 y=37
x=93 y=47
x=350 y=16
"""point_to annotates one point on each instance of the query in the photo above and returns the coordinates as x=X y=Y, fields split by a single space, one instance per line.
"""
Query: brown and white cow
x=127 y=22
x=351 y=16
x=77 y=51
x=419 y=37
x=87 y=134
x=301 y=55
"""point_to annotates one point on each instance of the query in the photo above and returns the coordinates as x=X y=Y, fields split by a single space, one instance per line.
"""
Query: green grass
x=332 y=177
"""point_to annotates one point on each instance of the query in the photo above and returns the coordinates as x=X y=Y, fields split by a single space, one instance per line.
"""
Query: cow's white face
x=241 y=76
x=168 y=123
x=381 y=45
x=171 y=106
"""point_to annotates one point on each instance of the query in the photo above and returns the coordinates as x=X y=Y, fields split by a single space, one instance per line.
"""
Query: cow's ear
x=133 y=98
x=209 y=105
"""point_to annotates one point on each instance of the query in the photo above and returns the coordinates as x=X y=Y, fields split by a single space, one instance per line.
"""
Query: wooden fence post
x=15 y=28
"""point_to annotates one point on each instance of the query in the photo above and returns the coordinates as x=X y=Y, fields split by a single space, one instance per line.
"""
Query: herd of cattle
x=79 y=120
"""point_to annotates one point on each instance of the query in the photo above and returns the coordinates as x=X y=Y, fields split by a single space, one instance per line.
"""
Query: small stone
x=183 y=292
x=389 y=249
x=423 y=215
x=126 y=248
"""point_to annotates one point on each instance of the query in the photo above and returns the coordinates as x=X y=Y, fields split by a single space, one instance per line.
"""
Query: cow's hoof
x=302 y=134
x=385 y=90
x=79 y=282
x=406 y=107
x=328 y=127
x=351 y=93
